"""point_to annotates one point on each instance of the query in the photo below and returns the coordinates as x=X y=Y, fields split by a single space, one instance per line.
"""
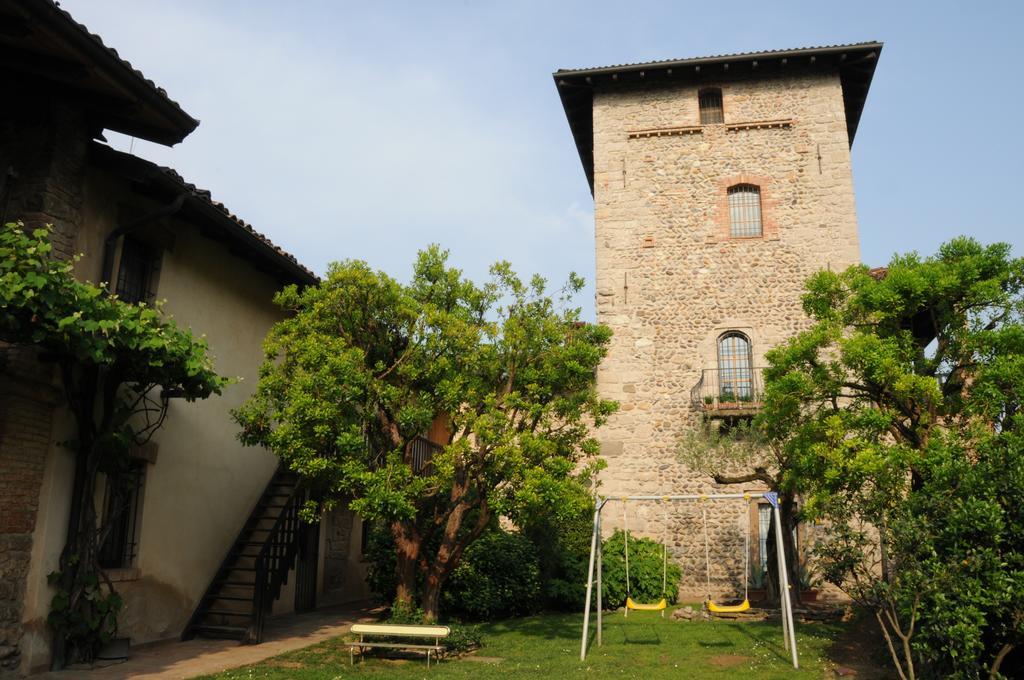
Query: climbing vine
x=117 y=363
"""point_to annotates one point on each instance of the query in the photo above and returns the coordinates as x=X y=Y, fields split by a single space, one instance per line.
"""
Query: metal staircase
x=250 y=577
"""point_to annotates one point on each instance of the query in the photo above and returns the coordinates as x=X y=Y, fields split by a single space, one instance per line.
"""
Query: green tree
x=364 y=365
x=900 y=412
x=112 y=359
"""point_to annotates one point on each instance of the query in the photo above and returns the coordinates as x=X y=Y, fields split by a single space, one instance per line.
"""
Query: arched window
x=710 y=101
x=735 y=368
x=744 y=211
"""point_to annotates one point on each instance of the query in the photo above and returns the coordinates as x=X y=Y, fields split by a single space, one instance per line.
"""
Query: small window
x=711 y=106
x=121 y=518
x=735 y=368
x=136 y=273
x=764 y=523
x=744 y=211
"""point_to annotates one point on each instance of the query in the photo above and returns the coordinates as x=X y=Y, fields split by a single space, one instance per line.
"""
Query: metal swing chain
x=664 y=553
x=625 y=533
x=707 y=547
x=746 y=549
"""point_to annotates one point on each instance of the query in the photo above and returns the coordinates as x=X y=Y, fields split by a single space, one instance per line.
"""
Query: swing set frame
x=788 y=634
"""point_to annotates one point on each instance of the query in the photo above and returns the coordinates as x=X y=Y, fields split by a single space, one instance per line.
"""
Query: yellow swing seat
x=729 y=608
x=644 y=607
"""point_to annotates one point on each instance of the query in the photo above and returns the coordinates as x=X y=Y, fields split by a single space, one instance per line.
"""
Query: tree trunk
x=454 y=542
x=447 y=557
x=407 y=553
x=431 y=600
x=788 y=516
x=787 y=512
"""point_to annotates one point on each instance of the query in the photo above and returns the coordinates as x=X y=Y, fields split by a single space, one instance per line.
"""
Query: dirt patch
x=859 y=651
x=728 y=660
x=284 y=664
x=484 y=659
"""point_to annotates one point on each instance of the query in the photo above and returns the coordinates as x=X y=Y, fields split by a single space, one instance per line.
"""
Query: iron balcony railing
x=420 y=452
x=421 y=455
x=728 y=389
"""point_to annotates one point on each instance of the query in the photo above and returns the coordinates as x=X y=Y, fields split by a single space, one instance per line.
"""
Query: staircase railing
x=201 y=605
x=273 y=563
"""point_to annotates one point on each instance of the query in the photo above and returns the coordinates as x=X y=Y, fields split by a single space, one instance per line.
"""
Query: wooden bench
x=423 y=634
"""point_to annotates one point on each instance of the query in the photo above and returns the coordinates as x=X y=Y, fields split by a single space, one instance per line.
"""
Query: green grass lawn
x=642 y=646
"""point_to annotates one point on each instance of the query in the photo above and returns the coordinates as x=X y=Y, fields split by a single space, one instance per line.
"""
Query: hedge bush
x=564 y=551
x=380 y=554
x=499 y=576
x=645 y=571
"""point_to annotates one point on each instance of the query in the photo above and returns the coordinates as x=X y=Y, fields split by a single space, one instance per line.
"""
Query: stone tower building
x=720 y=185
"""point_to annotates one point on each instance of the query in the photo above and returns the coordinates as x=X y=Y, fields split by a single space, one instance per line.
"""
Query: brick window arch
x=735 y=367
x=710 y=101
x=745 y=211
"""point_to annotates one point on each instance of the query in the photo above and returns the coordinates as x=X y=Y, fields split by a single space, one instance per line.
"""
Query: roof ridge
x=206 y=196
x=868 y=43
x=138 y=75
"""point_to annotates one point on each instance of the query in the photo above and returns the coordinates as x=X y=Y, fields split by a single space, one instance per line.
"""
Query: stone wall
x=42 y=159
x=339 y=527
x=670 y=281
x=344 y=568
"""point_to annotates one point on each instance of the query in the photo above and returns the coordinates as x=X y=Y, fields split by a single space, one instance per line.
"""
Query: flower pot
x=809 y=595
x=756 y=594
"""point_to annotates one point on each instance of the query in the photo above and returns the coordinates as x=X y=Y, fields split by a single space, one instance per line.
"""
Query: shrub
x=380 y=553
x=563 y=548
x=463 y=639
x=499 y=576
x=405 y=614
x=645 y=571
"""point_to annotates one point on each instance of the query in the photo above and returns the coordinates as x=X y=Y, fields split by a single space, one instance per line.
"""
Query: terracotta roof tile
x=113 y=52
x=169 y=182
x=207 y=197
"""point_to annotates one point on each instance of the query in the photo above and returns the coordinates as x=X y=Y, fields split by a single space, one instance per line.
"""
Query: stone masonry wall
x=42 y=159
x=338 y=545
x=670 y=281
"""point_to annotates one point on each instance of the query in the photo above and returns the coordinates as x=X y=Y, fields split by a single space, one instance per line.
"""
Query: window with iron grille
x=764 y=523
x=744 y=211
x=135 y=273
x=121 y=518
x=710 y=101
x=735 y=368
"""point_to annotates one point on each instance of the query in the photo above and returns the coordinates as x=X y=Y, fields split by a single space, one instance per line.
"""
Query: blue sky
x=368 y=130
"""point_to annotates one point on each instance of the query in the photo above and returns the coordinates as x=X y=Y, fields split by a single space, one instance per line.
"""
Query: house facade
x=202 y=505
x=720 y=185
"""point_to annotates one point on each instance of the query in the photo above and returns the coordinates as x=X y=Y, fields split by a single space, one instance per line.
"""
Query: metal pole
x=600 y=568
x=784 y=585
x=590 y=583
x=780 y=565
x=676 y=497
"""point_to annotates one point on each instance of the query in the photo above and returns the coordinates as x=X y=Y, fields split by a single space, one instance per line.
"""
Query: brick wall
x=670 y=281
x=42 y=154
x=25 y=427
